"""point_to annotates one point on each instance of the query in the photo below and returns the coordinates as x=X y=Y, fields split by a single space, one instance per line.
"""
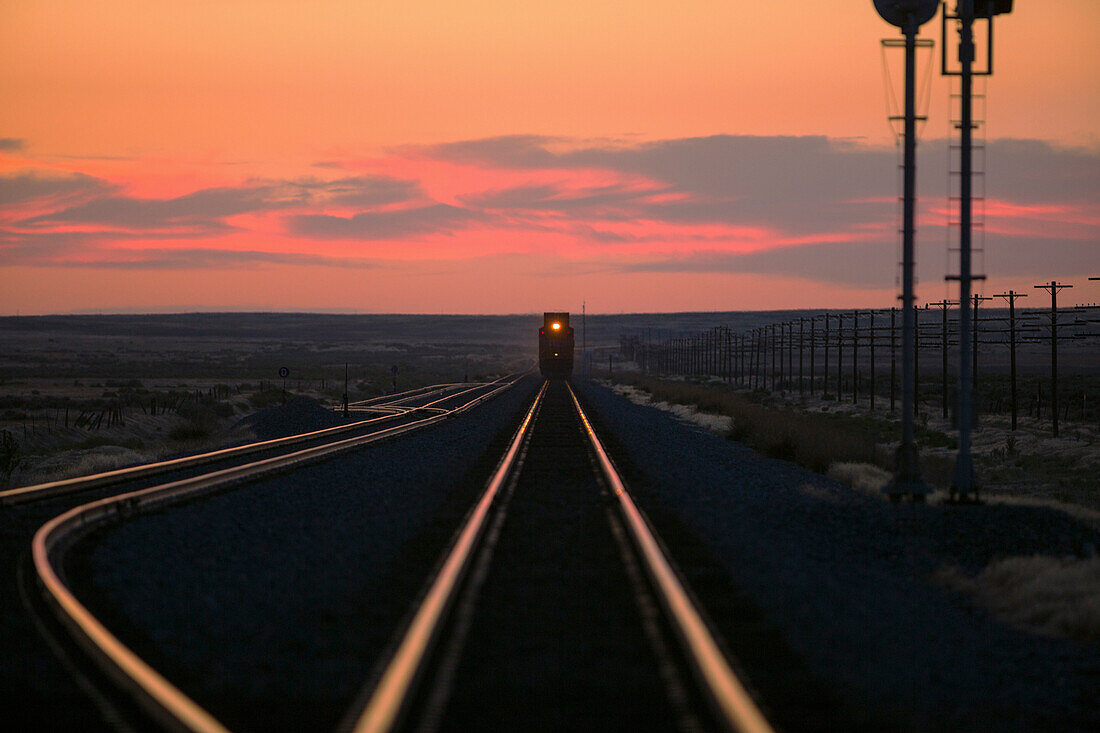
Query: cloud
x=49 y=247
x=810 y=207
x=49 y=187
x=796 y=185
x=790 y=184
x=379 y=225
x=719 y=165
x=200 y=258
x=202 y=209
x=1029 y=171
x=508 y=151
x=207 y=209
x=874 y=264
x=12 y=144
x=360 y=191
x=611 y=202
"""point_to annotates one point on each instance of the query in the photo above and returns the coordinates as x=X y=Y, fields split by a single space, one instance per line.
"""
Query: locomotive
x=556 y=345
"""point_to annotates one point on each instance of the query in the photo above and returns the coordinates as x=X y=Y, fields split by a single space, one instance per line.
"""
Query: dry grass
x=1046 y=595
x=1060 y=474
x=690 y=413
x=87 y=462
x=814 y=440
x=865 y=477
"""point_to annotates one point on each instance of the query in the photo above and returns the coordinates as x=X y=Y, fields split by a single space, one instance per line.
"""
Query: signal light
x=556 y=326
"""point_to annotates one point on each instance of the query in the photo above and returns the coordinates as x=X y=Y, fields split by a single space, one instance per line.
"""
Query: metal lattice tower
x=977 y=180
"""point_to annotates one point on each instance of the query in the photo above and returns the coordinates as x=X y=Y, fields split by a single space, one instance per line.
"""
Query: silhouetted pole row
x=763 y=358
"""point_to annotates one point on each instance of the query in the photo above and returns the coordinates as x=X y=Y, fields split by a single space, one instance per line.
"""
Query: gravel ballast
x=844 y=578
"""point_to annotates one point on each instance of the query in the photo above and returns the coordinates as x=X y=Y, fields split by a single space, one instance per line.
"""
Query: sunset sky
x=504 y=157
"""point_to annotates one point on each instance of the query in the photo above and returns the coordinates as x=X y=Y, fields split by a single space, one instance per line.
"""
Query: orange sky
x=232 y=106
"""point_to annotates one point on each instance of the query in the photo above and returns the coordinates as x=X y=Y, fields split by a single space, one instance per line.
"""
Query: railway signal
x=966 y=12
x=908 y=16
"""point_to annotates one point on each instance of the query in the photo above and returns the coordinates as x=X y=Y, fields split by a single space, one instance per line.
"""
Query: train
x=556 y=346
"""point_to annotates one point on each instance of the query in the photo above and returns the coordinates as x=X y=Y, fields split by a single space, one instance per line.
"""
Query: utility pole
x=813 y=352
x=893 y=359
x=754 y=360
x=801 y=346
x=977 y=329
x=1011 y=296
x=855 y=357
x=790 y=351
x=916 y=358
x=741 y=360
x=943 y=305
x=757 y=365
x=839 y=356
x=777 y=354
x=825 y=377
x=1053 y=289
x=774 y=366
x=873 y=337
x=584 y=341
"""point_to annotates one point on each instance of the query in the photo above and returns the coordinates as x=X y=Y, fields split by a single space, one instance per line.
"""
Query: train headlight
x=555 y=326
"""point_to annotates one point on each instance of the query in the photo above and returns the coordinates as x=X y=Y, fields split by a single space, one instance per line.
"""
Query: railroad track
x=26 y=509
x=555 y=606
x=390 y=409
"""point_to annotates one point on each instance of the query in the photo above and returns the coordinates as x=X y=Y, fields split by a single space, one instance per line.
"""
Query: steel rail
x=407 y=394
x=421 y=391
x=384 y=409
x=392 y=691
x=155 y=692
x=731 y=698
x=91 y=481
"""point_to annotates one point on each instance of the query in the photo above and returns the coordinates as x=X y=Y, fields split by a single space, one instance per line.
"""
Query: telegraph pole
x=943 y=305
x=839 y=356
x=813 y=351
x=1053 y=289
x=977 y=329
x=1011 y=296
x=775 y=367
x=801 y=346
x=873 y=336
x=893 y=359
x=790 y=351
x=855 y=357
